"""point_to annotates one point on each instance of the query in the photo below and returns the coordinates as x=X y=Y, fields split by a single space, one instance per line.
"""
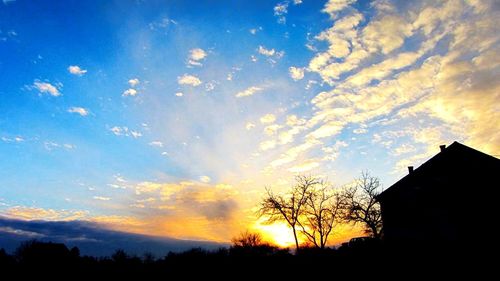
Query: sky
x=171 y=117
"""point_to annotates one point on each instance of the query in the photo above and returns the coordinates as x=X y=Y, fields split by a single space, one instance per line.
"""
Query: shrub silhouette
x=254 y=260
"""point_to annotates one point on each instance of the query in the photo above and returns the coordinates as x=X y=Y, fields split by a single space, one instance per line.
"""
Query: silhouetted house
x=450 y=198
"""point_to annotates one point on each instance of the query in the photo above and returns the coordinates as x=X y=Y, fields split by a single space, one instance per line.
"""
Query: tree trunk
x=296 y=239
x=375 y=232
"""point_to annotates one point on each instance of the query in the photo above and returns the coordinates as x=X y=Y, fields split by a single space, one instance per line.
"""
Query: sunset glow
x=277 y=233
x=170 y=118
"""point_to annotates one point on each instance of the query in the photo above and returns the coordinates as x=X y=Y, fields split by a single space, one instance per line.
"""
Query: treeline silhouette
x=361 y=257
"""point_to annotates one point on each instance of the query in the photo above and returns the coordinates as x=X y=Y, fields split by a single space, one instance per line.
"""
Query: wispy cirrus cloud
x=249 y=92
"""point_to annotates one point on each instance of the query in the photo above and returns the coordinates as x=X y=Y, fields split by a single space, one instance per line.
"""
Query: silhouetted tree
x=74 y=252
x=361 y=205
x=148 y=258
x=288 y=207
x=119 y=256
x=248 y=239
x=322 y=211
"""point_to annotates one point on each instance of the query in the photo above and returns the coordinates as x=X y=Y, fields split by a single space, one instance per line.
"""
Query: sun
x=277 y=233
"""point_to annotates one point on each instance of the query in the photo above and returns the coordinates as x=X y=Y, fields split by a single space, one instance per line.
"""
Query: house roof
x=449 y=156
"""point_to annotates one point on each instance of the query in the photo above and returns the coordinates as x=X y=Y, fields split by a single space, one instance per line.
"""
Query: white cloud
x=79 y=110
x=102 y=198
x=249 y=92
x=196 y=56
x=280 y=11
x=135 y=134
x=130 y=92
x=156 y=143
x=210 y=86
x=188 y=79
x=119 y=178
x=360 y=131
x=387 y=34
x=50 y=145
x=304 y=167
x=47 y=88
x=266 y=145
x=333 y=7
x=133 y=82
x=205 y=179
x=296 y=73
x=125 y=131
x=293 y=120
x=162 y=24
x=266 y=52
x=117 y=130
x=268 y=118
x=272 y=55
x=76 y=70
x=15 y=139
x=271 y=129
x=179 y=94
x=293 y=153
x=254 y=31
x=419 y=67
x=249 y=126
x=327 y=130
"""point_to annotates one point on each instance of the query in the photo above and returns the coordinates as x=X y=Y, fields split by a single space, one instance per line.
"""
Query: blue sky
x=170 y=117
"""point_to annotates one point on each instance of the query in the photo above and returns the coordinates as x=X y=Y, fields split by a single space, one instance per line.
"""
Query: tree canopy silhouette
x=288 y=207
x=322 y=212
x=311 y=208
x=361 y=204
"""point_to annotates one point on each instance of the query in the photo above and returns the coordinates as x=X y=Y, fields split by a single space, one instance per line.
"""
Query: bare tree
x=361 y=205
x=288 y=207
x=248 y=239
x=322 y=210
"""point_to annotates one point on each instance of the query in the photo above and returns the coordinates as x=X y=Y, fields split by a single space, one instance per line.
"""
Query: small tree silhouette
x=288 y=207
x=248 y=239
x=361 y=205
x=322 y=211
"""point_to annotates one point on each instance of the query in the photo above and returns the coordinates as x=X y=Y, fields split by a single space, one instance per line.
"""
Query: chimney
x=442 y=147
x=410 y=169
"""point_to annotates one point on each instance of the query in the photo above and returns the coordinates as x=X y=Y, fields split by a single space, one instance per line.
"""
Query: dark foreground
x=366 y=260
